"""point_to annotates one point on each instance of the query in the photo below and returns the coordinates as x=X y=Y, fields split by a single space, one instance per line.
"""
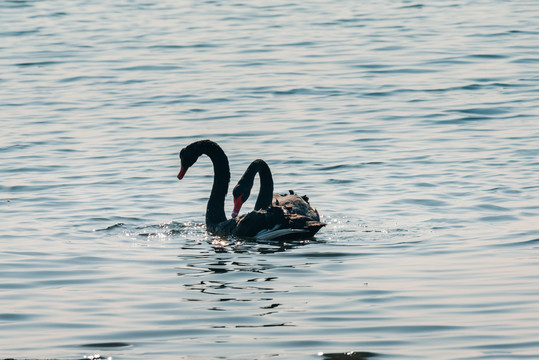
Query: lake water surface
x=412 y=126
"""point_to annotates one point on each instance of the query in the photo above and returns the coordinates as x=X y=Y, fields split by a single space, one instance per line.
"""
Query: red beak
x=182 y=172
x=237 y=206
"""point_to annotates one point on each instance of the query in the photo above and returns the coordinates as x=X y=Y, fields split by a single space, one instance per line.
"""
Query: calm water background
x=413 y=127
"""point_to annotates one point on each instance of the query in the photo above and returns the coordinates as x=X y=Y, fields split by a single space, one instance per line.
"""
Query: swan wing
x=271 y=234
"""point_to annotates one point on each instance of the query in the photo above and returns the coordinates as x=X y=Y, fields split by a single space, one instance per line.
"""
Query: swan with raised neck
x=215 y=209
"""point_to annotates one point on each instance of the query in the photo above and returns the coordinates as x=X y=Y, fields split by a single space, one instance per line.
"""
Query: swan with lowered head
x=295 y=206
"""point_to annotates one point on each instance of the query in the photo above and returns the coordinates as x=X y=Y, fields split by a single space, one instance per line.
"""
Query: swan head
x=188 y=156
x=241 y=193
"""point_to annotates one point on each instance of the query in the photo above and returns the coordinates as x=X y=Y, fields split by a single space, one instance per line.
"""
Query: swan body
x=269 y=222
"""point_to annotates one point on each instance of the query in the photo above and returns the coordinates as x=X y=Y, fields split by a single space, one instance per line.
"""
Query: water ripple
x=411 y=126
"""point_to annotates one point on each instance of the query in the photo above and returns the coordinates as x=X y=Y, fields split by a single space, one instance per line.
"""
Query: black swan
x=242 y=190
x=267 y=224
x=291 y=203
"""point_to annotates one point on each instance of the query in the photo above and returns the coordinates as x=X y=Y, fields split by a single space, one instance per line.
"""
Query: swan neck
x=265 y=195
x=215 y=210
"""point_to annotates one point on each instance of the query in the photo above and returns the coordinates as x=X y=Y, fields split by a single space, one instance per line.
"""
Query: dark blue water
x=413 y=127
